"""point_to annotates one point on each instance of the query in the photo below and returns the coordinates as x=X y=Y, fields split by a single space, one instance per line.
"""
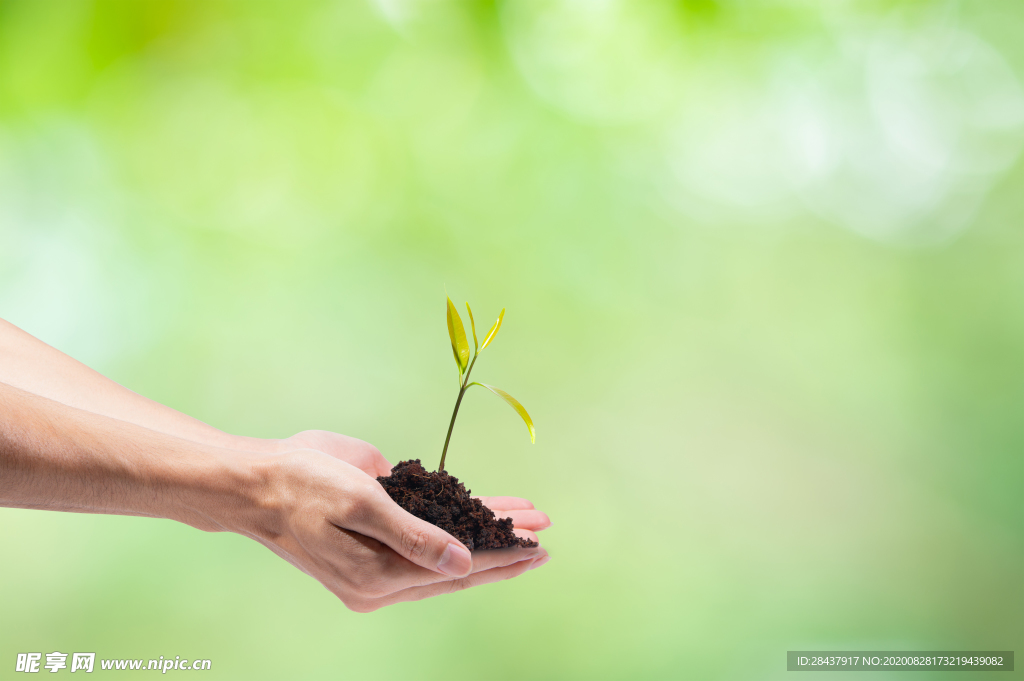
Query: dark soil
x=442 y=500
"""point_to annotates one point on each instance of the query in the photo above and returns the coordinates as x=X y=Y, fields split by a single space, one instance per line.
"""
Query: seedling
x=460 y=347
x=437 y=496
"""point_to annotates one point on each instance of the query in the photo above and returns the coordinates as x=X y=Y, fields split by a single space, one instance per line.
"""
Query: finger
x=392 y=573
x=506 y=503
x=405 y=574
x=477 y=579
x=375 y=515
x=371 y=461
x=382 y=467
x=526 y=534
x=529 y=520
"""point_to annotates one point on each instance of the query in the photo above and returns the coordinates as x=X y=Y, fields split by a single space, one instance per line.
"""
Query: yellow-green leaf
x=460 y=346
x=514 y=403
x=472 y=325
x=493 y=332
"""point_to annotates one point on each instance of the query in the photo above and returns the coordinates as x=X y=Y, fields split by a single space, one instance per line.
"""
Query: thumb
x=417 y=540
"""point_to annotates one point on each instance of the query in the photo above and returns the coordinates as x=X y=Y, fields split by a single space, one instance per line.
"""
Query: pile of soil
x=441 y=499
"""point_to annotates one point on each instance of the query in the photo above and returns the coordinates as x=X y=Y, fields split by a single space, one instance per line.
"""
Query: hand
x=337 y=524
x=367 y=458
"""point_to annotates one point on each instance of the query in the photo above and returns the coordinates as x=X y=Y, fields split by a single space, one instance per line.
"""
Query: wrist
x=227 y=493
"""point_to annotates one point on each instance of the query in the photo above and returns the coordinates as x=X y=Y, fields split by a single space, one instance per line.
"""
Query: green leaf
x=472 y=325
x=493 y=332
x=514 y=403
x=460 y=346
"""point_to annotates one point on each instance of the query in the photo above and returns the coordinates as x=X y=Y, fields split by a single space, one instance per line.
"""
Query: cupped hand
x=526 y=520
x=336 y=523
x=366 y=457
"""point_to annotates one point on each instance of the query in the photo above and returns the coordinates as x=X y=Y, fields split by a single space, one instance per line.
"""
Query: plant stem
x=462 y=391
x=451 y=426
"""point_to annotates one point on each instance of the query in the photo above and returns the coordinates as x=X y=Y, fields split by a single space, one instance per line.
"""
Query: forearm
x=56 y=457
x=33 y=366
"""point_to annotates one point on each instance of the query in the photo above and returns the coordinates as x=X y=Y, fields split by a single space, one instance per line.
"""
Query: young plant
x=460 y=346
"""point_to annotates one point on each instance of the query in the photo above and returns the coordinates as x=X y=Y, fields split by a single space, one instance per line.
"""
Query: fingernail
x=455 y=561
x=539 y=562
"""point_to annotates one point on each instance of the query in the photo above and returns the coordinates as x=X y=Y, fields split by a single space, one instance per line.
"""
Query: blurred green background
x=764 y=272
